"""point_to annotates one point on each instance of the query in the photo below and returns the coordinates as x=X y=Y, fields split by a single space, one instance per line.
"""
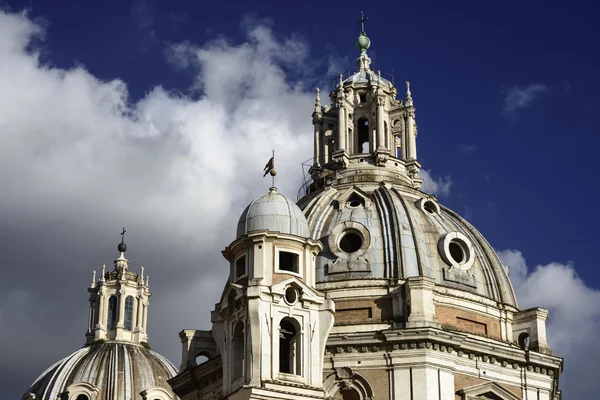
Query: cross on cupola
x=362 y=22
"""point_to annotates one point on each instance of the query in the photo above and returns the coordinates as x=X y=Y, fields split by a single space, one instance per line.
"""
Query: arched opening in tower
x=238 y=351
x=289 y=347
x=129 y=313
x=112 y=312
x=363 y=135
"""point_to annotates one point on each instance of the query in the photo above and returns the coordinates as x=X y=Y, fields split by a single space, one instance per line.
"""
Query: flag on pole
x=269 y=167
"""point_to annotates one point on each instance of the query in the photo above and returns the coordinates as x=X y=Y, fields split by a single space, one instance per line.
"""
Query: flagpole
x=273 y=176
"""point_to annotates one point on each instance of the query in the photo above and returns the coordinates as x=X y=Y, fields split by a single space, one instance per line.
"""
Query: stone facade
x=368 y=288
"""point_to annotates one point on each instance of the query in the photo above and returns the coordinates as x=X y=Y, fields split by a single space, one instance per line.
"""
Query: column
x=146 y=315
x=121 y=316
x=139 y=312
x=380 y=129
x=342 y=127
x=410 y=135
x=101 y=308
x=134 y=319
x=317 y=159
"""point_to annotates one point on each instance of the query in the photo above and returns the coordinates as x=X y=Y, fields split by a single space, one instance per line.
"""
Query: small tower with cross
x=118 y=303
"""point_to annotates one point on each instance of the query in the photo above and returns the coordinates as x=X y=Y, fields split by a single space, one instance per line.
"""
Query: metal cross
x=362 y=22
x=123 y=235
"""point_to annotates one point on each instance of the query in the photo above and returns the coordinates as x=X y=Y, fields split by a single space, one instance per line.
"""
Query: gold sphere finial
x=273 y=172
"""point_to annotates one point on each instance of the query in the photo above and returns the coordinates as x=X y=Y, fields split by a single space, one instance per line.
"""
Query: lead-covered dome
x=273 y=212
x=108 y=370
x=392 y=232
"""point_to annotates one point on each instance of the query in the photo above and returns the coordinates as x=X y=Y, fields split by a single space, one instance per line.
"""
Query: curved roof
x=366 y=76
x=273 y=212
x=115 y=370
x=399 y=232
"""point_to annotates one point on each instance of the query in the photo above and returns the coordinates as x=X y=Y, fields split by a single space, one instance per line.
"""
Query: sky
x=159 y=116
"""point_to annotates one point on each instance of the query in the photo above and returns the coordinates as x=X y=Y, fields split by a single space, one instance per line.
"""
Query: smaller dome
x=273 y=212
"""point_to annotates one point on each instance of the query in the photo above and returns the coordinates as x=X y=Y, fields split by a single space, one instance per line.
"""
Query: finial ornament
x=362 y=22
x=103 y=272
x=122 y=247
x=142 y=274
x=408 y=94
x=94 y=278
x=147 y=280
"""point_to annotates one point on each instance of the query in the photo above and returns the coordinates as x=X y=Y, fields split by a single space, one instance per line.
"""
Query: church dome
x=110 y=370
x=387 y=231
x=273 y=212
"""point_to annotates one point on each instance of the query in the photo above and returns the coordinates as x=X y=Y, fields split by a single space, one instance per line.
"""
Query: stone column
x=140 y=310
x=101 y=308
x=146 y=303
x=410 y=135
x=134 y=319
x=380 y=128
x=317 y=159
x=342 y=127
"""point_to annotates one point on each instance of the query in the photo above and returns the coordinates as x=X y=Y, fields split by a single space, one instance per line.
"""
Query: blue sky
x=506 y=98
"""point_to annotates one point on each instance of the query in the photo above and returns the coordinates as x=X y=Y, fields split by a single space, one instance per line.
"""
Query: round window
x=429 y=206
x=456 y=252
x=291 y=295
x=351 y=241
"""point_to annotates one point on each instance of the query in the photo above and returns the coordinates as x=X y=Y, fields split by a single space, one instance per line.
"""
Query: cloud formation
x=517 y=98
x=574 y=319
x=80 y=159
x=437 y=186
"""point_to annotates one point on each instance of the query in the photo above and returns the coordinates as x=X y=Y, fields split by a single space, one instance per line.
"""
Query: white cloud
x=79 y=159
x=519 y=97
x=574 y=319
x=437 y=186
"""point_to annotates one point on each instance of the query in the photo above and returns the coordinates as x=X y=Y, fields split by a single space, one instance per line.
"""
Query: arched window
x=524 y=341
x=112 y=312
x=290 y=359
x=82 y=397
x=129 y=313
x=347 y=394
x=238 y=350
x=363 y=135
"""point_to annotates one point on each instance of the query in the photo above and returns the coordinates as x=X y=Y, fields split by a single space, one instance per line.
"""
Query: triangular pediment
x=352 y=195
x=306 y=292
x=232 y=291
x=487 y=390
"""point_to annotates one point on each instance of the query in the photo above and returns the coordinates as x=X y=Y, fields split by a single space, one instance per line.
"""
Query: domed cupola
x=275 y=213
x=116 y=362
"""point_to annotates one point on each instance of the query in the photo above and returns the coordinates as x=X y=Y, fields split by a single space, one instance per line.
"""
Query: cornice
x=457 y=343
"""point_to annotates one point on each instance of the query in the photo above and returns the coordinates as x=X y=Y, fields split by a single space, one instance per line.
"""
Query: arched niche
x=345 y=384
x=237 y=354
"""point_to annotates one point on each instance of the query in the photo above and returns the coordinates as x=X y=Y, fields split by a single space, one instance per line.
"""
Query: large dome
x=273 y=212
x=108 y=370
x=383 y=232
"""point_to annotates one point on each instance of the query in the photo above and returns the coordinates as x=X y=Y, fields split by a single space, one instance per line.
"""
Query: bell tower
x=118 y=303
x=366 y=130
x=271 y=325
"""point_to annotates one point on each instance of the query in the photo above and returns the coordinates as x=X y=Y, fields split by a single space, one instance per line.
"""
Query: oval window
x=351 y=241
